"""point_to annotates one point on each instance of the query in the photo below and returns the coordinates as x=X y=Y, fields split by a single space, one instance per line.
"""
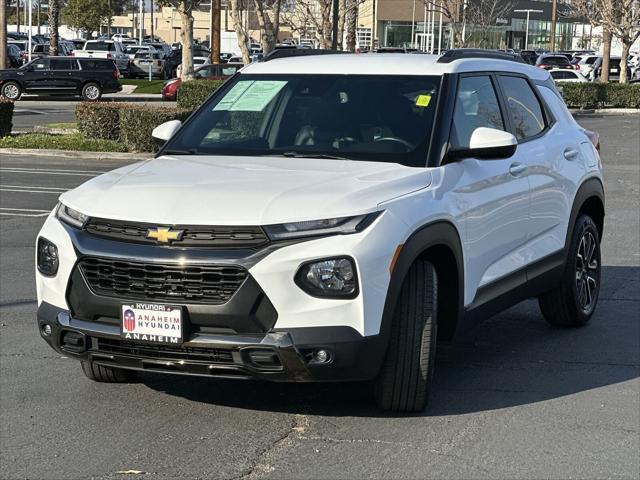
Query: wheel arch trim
x=589 y=189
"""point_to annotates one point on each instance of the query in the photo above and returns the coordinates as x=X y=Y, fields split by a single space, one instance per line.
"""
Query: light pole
x=140 y=24
x=413 y=25
x=526 y=35
x=30 y=22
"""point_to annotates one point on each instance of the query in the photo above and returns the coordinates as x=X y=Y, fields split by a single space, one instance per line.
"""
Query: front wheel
x=11 y=90
x=573 y=301
x=404 y=381
x=91 y=92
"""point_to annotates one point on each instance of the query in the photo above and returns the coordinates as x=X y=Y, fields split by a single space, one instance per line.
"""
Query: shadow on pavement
x=512 y=359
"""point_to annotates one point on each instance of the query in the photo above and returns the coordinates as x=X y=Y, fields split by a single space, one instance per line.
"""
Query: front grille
x=193 y=236
x=210 y=284
x=119 y=347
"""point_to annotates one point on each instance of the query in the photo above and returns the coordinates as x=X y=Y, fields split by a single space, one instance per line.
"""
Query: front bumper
x=285 y=356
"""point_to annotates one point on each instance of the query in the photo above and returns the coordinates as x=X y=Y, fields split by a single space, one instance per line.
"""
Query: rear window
x=555 y=60
x=100 y=46
x=96 y=64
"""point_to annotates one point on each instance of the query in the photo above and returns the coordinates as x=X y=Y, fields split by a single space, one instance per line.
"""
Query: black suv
x=88 y=77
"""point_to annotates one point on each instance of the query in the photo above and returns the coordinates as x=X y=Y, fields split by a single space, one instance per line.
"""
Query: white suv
x=322 y=217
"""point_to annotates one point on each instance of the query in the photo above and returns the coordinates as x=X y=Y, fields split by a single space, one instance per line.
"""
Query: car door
x=62 y=75
x=494 y=194
x=37 y=76
x=547 y=148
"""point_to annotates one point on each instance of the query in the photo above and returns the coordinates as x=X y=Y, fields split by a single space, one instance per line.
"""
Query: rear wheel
x=100 y=373
x=404 y=381
x=11 y=90
x=91 y=91
x=573 y=301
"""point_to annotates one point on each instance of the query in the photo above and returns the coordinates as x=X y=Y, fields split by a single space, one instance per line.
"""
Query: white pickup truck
x=105 y=49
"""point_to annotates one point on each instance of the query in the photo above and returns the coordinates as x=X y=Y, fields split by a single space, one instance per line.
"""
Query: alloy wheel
x=587 y=272
x=11 y=91
x=92 y=92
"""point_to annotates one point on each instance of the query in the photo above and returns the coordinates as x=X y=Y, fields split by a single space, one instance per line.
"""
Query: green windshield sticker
x=250 y=95
x=257 y=96
x=233 y=95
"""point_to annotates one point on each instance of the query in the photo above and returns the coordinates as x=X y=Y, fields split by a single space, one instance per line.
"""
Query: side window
x=59 y=64
x=524 y=106
x=476 y=106
x=41 y=64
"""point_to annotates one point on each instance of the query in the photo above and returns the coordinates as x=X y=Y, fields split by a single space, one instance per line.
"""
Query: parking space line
x=23 y=212
x=2 y=189
x=34 y=187
x=42 y=171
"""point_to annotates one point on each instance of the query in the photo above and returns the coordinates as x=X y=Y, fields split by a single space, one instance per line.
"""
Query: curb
x=133 y=98
x=97 y=156
x=604 y=111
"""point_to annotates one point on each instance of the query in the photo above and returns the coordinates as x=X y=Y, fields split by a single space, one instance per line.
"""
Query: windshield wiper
x=190 y=151
x=313 y=155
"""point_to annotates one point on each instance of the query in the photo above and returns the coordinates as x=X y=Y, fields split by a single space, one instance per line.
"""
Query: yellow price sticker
x=423 y=100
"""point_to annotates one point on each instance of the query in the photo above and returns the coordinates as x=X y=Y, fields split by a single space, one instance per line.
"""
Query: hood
x=220 y=190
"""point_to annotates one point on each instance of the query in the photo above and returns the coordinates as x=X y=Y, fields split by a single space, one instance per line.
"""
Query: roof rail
x=460 y=53
x=297 y=52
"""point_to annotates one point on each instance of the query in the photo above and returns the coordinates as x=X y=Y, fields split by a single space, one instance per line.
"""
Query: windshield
x=375 y=118
x=555 y=60
x=100 y=46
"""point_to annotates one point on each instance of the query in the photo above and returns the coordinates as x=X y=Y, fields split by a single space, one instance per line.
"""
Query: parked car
x=89 y=78
x=614 y=69
x=293 y=229
x=529 y=56
x=549 y=61
x=199 y=61
x=206 y=72
x=43 y=50
x=14 y=56
x=585 y=64
x=23 y=46
x=145 y=61
x=132 y=50
x=564 y=75
x=105 y=49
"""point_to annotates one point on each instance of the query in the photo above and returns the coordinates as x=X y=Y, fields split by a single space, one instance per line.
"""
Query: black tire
x=404 y=381
x=572 y=302
x=99 y=373
x=91 y=92
x=11 y=90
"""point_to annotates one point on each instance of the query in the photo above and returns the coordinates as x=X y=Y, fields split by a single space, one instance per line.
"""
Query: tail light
x=72 y=54
x=577 y=66
x=116 y=74
x=542 y=65
x=594 y=137
x=108 y=55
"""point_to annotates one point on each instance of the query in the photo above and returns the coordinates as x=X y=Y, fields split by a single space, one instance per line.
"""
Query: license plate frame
x=152 y=323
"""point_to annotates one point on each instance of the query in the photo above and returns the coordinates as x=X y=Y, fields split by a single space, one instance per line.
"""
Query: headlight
x=329 y=278
x=70 y=216
x=330 y=226
x=47 y=257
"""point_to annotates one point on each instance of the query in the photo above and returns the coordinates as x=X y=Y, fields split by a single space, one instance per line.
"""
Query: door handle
x=571 y=153
x=516 y=169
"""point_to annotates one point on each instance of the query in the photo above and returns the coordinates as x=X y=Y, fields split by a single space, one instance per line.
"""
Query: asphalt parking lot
x=513 y=397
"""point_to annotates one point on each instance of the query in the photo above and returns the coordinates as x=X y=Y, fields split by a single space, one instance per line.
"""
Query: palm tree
x=54 y=23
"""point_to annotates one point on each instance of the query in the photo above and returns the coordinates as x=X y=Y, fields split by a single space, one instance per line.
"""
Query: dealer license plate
x=152 y=323
x=614 y=70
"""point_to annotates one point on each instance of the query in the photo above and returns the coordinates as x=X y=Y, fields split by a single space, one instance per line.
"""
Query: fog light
x=47 y=257
x=46 y=329
x=322 y=356
x=331 y=278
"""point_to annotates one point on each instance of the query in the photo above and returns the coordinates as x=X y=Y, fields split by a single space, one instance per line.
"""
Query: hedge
x=128 y=123
x=6 y=116
x=600 y=95
x=137 y=122
x=99 y=119
x=193 y=93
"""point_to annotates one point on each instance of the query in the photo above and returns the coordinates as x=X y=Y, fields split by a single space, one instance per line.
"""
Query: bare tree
x=463 y=15
x=185 y=10
x=268 y=13
x=621 y=18
x=241 y=32
x=311 y=15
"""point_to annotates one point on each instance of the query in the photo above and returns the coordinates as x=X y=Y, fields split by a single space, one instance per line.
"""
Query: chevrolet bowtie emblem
x=164 y=234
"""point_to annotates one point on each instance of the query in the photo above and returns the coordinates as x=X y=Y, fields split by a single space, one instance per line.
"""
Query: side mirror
x=165 y=131
x=488 y=143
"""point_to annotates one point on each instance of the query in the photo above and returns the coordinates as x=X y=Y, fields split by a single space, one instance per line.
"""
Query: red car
x=220 y=71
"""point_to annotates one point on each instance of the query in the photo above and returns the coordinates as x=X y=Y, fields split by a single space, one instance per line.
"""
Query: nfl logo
x=129 y=320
